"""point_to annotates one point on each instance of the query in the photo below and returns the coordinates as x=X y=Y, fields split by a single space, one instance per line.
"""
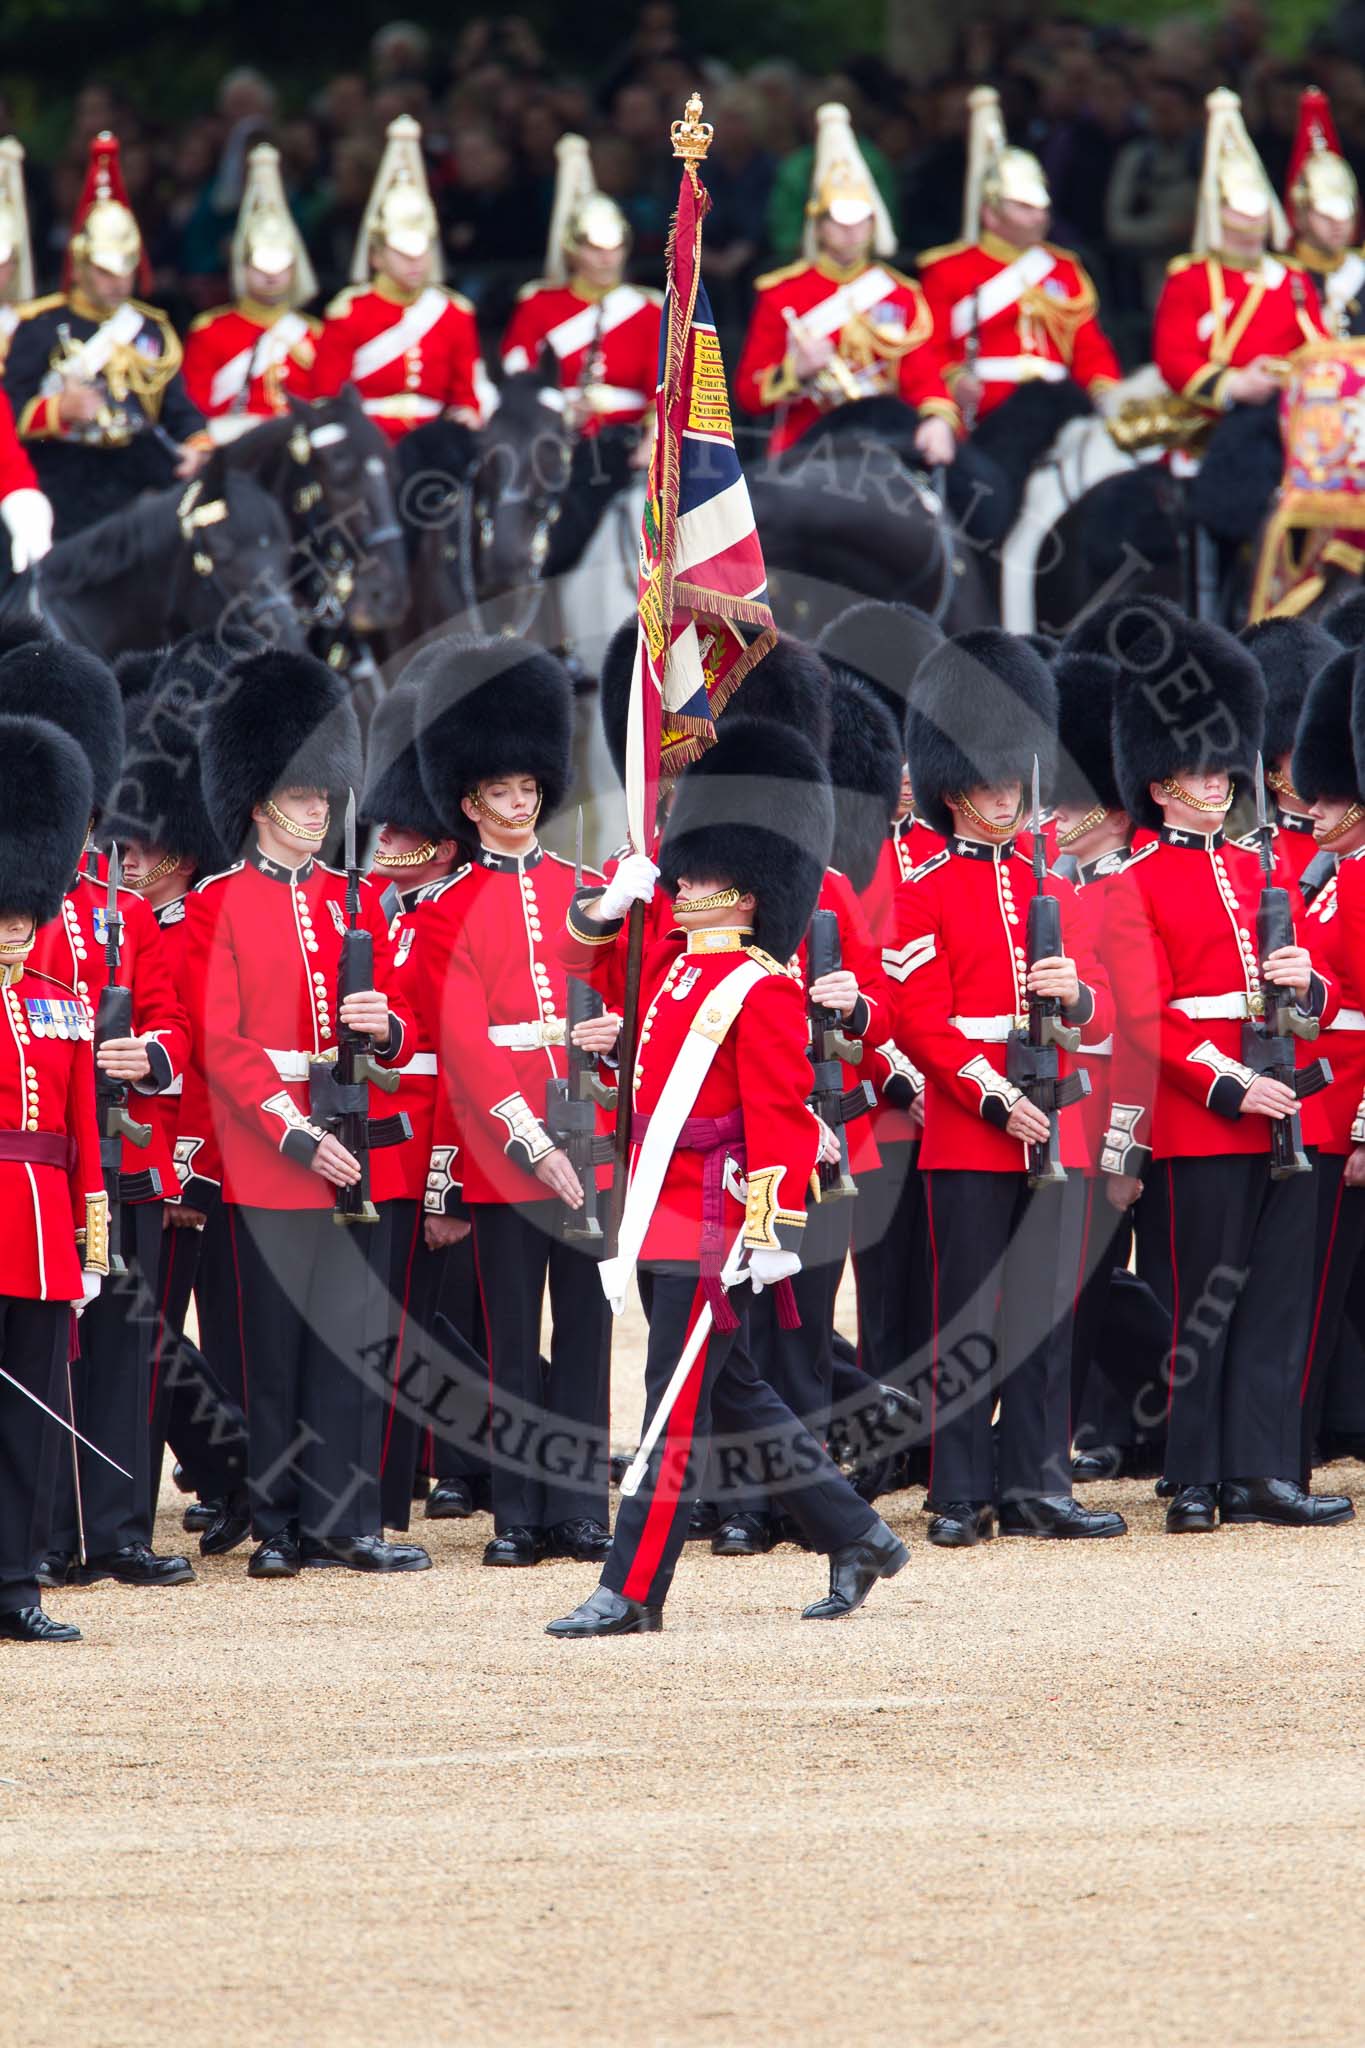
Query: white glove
x=633 y=882
x=28 y=516
x=90 y=1291
x=767 y=1268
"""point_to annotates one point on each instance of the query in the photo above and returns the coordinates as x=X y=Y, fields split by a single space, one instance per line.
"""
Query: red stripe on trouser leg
x=157 y=1348
x=933 y=1362
x=1322 y=1292
x=1175 y=1295
x=401 y=1339
x=677 y=1449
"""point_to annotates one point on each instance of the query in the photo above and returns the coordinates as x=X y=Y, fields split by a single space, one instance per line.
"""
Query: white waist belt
x=1346 y=1020
x=420 y=1063
x=528 y=1037
x=404 y=405
x=990 y=1030
x=291 y=1066
x=1018 y=370
x=1229 y=1007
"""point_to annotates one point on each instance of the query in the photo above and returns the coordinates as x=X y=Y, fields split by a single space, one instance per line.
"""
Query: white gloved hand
x=90 y=1291
x=28 y=515
x=633 y=882
x=767 y=1268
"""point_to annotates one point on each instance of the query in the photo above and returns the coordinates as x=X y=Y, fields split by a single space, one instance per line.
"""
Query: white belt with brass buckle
x=404 y=405
x=420 y=1063
x=1018 y=370
x=528 y=1037
x=293 y=1066
x=1348 y=1020
x=1232 y=1007
x=989 y=1030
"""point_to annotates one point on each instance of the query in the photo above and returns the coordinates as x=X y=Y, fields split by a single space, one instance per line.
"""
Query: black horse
x=213 y=557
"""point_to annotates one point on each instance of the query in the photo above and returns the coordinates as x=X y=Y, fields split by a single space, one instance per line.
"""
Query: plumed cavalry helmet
x=399 y=211
x=394 y=793
x=490 y=706
x=1319 y=179
x=278 y=720
x=266 y=237
x=755 y=811
x=1324 y=765
x=48 y=678
x=159 y=798
x=47 y=808
x=15 y=244
x=995 y=170
x=105 y=231
x=581 y=215
x=983 y=705
x=1189 y=699
x=842 y=188
x=1234 y=176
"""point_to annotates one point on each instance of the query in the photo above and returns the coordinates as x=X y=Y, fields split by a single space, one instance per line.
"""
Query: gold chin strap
x=13 y=957
x=1212 y=806
x=418 y=858
x=959 y=801
x=1282 y=786
x=1352 y=815
x=304 y=832
x=1087 y=824
x=723 y=899
x=167 y=865
x=508 y=824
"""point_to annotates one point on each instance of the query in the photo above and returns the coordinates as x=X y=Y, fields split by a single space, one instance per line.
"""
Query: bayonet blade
x=1262 y=819
x=113 y=923
x=578 y=851
x=1036 y=827
x=350 y=832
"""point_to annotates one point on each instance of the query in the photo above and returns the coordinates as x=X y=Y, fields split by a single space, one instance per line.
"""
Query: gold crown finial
x=692 y=136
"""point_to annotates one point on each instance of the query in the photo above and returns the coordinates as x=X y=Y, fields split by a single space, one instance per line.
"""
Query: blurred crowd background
x=1114 y=112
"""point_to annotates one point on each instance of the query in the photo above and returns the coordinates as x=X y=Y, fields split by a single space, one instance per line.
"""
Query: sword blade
x=62 y=1422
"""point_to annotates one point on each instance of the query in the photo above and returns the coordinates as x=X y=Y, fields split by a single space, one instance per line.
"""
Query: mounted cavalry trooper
x=602 y=332
x=841 y=324
x=245 y=361
x=409 y=346
x=1323 y=203
x=94 y=375
x=1008 y=305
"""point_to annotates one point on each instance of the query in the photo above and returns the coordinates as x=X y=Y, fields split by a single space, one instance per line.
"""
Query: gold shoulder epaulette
x=31 y=306
x=344 y=300
x=899 y=275
x=202 y=320
x=943 y=249
x=151 y=312
x=1179 y=263
x=311 y=322
x=458 y=299
x=772 y=277
x=765 y=960
x=537 y=284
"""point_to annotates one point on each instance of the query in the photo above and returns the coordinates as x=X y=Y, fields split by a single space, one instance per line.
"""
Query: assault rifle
x=571 y=1102
x=114 y=1019
x=829 y=1045
x=1031 y=1062
x=1268 y=1037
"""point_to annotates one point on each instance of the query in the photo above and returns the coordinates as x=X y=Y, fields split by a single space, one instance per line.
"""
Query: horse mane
x=115 y=546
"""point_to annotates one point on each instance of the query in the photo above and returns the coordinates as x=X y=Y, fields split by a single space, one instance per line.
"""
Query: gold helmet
x=265 y=237
x=842 y=188
x=995 y=169
x=1233 y=176
x=15 y=246
x=1320 y=180
x=105 y=232
x=399 y=213
x=581 y=215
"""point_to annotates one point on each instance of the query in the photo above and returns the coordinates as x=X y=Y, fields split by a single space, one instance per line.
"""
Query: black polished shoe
x=31 y=1625
x=364 y=1554
x=1091 y=1465
x=1284 y=1503
x=515 y=1547
x=703 y=1522
x=1166 y=1489
x=179 y=1480
x=608 y=1614
x=450 y=1500
x=230 y=1526
x=421 y=1486
x=957 y=1524
x=1193 y=1511
x=136 y=1564
x=199 y=1515
x=1057 y=1514
x=55 y=1569
x=744 y=1535
x=585 y=1540
x=901 y=1410
x=854 y=1570
x=277 y=1558
x=618 y=1466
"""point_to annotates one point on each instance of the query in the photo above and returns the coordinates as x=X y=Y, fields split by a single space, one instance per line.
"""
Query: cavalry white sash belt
x=1347 y=1020
x=530 y=1037
x=1229 y=1007
x=859 y=295
x=417 y=320
x=581 y=329
x=95 y=351
x=1018 y=370
x=705 y=1035
x=404 y=405
x=989 y=1030
x=1343 y=284
x=600 y=398
x=265 y=354
x=1001 y=292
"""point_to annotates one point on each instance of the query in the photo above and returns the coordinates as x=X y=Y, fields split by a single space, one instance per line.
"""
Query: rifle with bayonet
x=572 y=1100
x=339 y=1091
x=1031 y=1061
x=1268 y=1034
x=830 y=1045
x=113 y=1019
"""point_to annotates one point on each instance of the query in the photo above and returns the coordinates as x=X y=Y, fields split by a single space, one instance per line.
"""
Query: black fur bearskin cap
x=47 y=810
x=1189 y=699
x=277 y=719
x=1324 y=763
x=984 y=704
x=394 y=792
x=488 y=707
x=1085 y=710
x=880 y=645
x=1290 y=652
x=865 y=772
x=73 y=689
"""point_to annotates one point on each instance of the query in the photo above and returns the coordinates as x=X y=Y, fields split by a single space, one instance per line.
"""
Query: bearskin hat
x=73 y=689
x=48 y=801
x=393 y=776
x=134 y=670
x=487 y=707
x=881 y=646
x=1323 y=763
x=789 y=686
x=865 y=771
x=159 y=797
x=1358 y=733
x=1346 y=621
x=1290 y=651
x=1085 y=753
x=756 y=811
x=278 y=718
x=1120 y=623
x=1189 y=699
x=618 y=672
x=983 y=705
x=21 y=630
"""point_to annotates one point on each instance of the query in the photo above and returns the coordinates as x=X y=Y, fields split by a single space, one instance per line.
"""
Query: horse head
x=515 y=488
x=342 y=495
x=236 y=568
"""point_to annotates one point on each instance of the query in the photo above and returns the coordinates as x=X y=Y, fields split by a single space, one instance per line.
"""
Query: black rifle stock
x=829 y=1047
x=1268 y=1038
x=1031 y=1061
x=571 y=1105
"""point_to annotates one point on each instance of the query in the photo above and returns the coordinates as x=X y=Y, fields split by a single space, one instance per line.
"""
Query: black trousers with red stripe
x=459 y=1423
x=891 y=1264
x=1241 y=1251
x=752 y=1436
x=1005 y=1263
x=548 y=1441
x=189 y=1409
x=437 y=1381
x=217 y=1294
x=1339 y=1239
x=34 y=1336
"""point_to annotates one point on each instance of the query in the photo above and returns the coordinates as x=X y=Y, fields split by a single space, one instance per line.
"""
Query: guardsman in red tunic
x=602 y=332
x=724 y=1149
x=244 y=362
x=55 y=1243
x=49 y=679
x=1008 y=306
x=280 y=752
x=841 y=324
x=1190 y=1119
x=410 y=347
x=1290 y=653
x=1004 y=1253
x=1231 y=314
x=1322 y=200
x=495 y=726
